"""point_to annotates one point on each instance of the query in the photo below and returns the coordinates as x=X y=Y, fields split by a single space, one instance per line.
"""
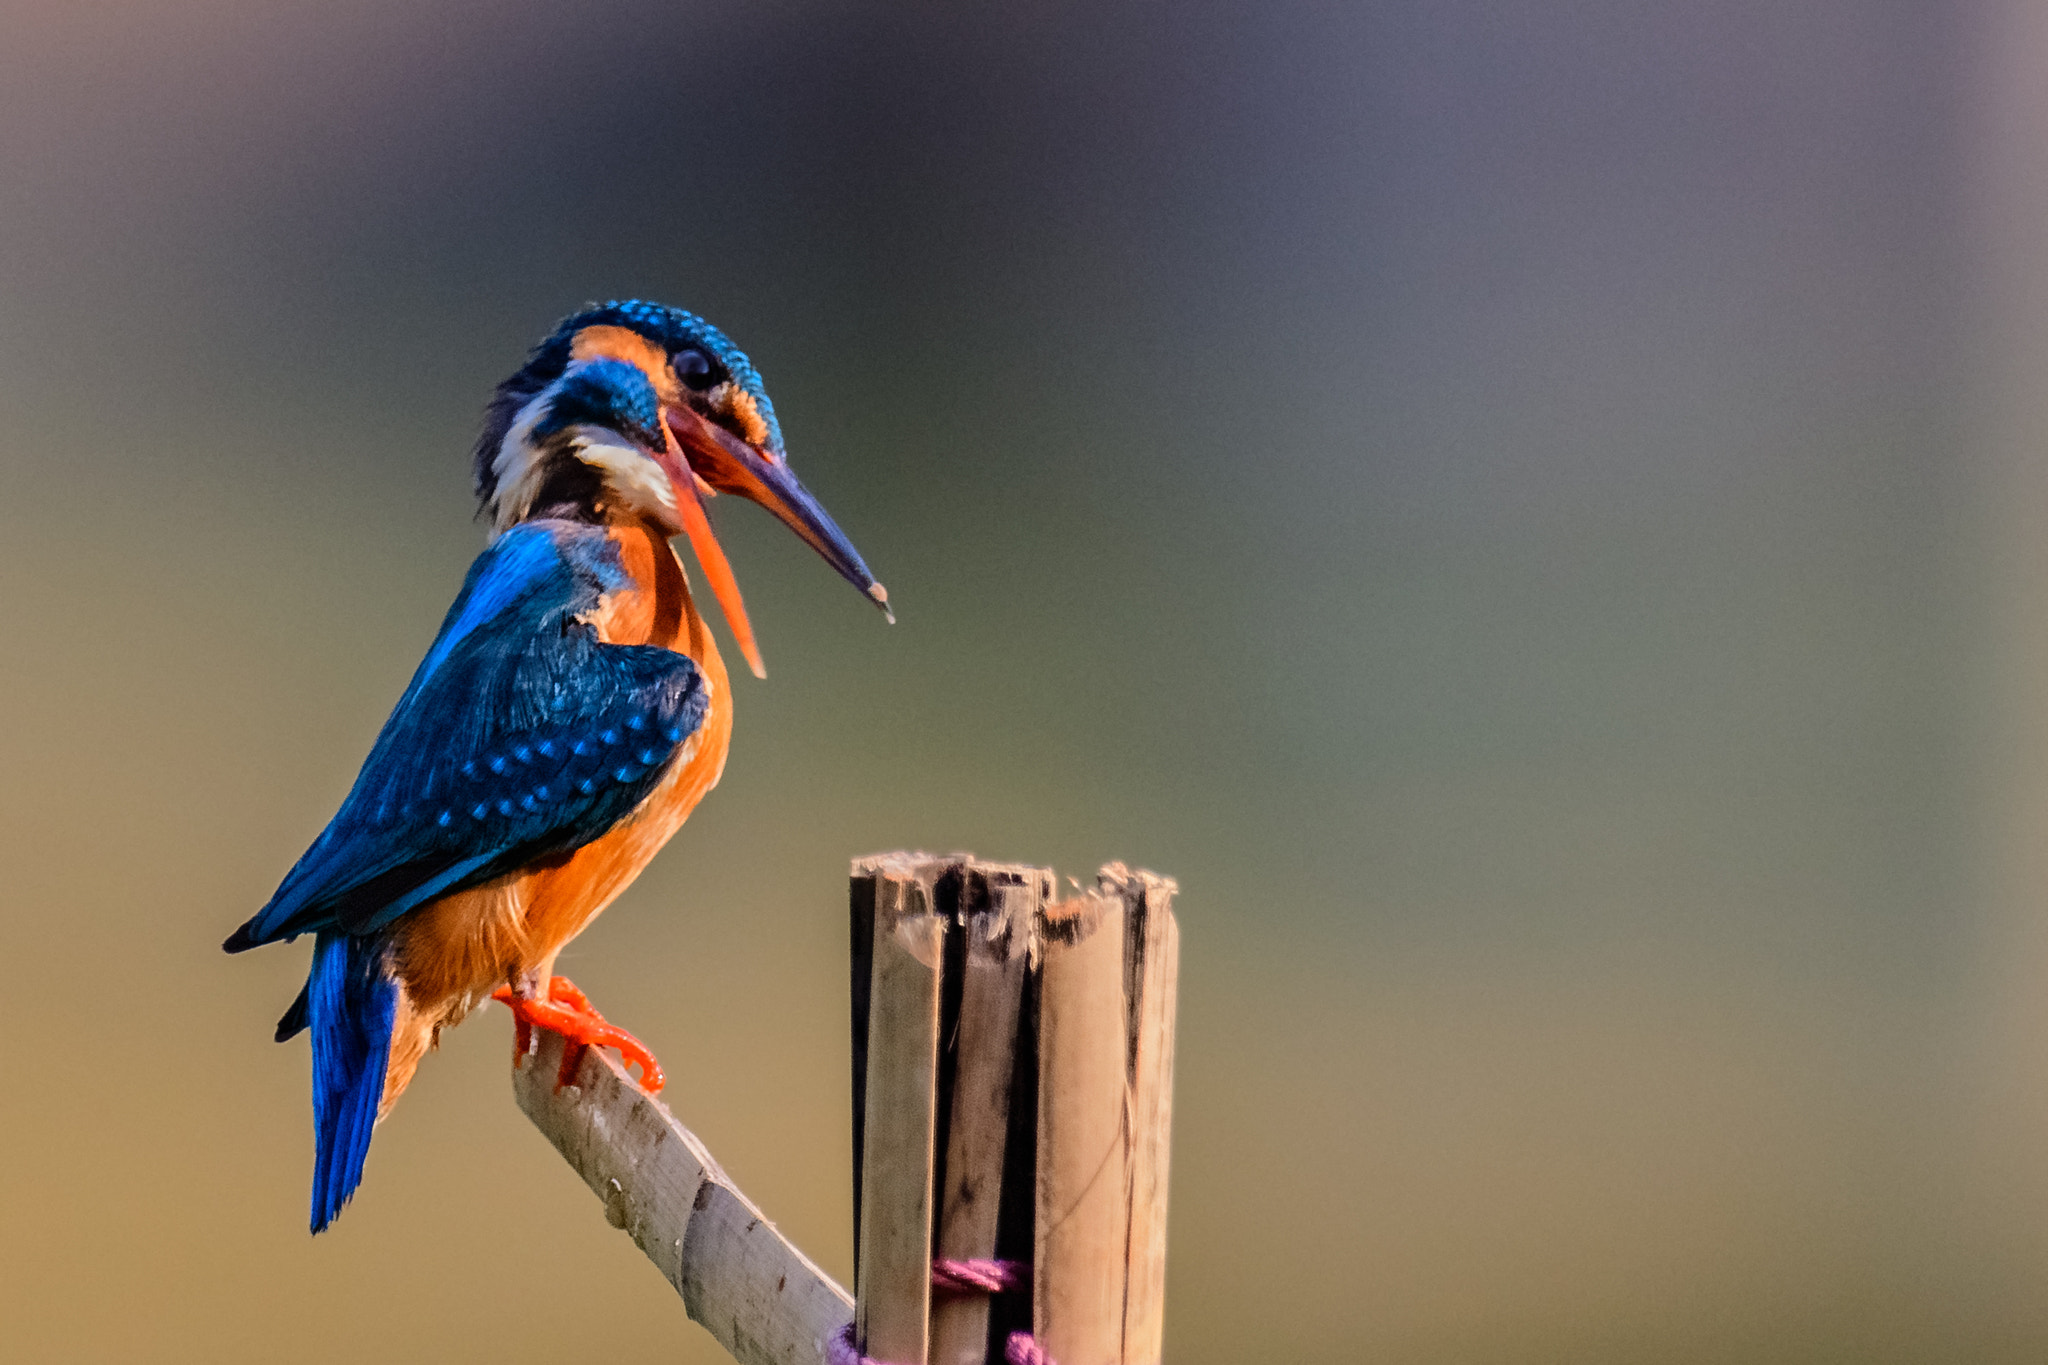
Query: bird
x=569 y=715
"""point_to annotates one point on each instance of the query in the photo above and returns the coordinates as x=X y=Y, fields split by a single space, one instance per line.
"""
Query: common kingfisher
x=569 y=715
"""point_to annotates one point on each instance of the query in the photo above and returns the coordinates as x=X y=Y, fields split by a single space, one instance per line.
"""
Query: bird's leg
x=520 y=988
x=568 y=1011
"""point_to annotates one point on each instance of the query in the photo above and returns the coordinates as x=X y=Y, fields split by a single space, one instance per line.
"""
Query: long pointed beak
x=708 y=458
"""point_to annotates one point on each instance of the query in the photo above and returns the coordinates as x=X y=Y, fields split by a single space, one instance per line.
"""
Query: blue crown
x=670 y=328
x=673 y=329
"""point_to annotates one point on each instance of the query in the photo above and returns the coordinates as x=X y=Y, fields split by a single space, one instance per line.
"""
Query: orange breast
x=563 y=897
x=455 y=951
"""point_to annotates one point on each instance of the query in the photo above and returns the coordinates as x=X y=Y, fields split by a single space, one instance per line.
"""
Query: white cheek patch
x=517 y=465
x=520 y=468
x=636 y=480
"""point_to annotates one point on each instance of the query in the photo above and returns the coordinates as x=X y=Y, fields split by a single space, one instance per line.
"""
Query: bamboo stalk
x=893 y=1316
x=998 y=910
x=1051 y=1109
x=1152 y=960
x=1083 y=1203
x=1063 y=1158
x=764 y=1300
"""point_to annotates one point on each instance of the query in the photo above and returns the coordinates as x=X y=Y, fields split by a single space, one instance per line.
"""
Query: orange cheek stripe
x=623 y=343
x=747 y=413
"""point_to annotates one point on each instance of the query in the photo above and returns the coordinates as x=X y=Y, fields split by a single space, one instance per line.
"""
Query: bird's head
x=639 y=412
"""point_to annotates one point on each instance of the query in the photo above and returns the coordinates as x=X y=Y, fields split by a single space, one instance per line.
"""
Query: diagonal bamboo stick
x=764 y=1300
x=1080 y=994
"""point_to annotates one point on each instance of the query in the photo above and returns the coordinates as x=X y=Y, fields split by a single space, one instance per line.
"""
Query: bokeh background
x=1536 y=513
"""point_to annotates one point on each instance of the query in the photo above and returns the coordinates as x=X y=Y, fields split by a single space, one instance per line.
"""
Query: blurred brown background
x=1532 y=512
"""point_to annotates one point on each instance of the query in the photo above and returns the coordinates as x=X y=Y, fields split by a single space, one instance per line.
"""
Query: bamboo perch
x=1083 y=1193
x=1153 y=959
x=1013 y=1072
x=895 y=1254
x=764 y=1300
x=1012 y=1082
x=997 y=913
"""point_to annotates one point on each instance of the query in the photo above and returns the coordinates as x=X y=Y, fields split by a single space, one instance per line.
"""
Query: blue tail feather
x=351 y=1004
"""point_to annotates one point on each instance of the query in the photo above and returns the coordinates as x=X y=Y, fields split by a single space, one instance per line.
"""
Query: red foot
x=568 y=1011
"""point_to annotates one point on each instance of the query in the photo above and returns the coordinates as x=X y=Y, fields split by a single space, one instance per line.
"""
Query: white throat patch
x=520 y=468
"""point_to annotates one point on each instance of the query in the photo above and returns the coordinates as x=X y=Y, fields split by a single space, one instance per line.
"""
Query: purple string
x=839 y=1350
x=1021 y=1350
x=961 y=1276
x=980 y=1276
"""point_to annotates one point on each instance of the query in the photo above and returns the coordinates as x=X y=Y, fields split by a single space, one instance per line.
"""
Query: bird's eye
x=694 y=368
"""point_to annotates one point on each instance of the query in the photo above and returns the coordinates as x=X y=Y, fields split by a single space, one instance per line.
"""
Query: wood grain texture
x=1083 y=1201
x=1101 y=1053
x=998 y=908
x=861 y=895
x=765 y=1301
x=1152 y=957
x=893 y=1318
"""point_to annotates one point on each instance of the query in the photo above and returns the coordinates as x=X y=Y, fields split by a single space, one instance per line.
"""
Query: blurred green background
x=1530 y=511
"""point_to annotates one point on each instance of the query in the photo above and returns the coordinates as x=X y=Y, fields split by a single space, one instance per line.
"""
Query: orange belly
x=452 y=953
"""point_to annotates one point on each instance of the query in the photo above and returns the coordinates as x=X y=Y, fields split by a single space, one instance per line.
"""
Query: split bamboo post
x=896 y=1161
x=764 y=1300
x=996 y=913
x=1012 y=1077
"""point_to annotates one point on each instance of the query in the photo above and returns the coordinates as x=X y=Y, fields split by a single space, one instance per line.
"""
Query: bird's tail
x=351 y=1001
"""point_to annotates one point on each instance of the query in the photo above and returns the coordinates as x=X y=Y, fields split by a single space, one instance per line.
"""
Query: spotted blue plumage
x=515 y=727
x=521 y=736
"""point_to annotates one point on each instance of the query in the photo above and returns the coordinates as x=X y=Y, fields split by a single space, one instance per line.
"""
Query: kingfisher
x=567 y=718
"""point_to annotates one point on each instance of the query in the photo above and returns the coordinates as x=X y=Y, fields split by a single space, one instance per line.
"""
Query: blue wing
x=520 y=737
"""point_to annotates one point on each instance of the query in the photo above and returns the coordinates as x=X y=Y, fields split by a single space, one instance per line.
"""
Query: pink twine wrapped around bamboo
x=976 y=1276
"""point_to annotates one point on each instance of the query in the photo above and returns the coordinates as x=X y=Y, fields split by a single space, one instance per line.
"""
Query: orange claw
x=568 y=1011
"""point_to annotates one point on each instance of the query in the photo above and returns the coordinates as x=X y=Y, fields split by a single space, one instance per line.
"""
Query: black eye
x=694 y=368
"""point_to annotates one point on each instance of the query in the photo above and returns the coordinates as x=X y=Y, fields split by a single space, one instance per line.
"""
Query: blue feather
x=676 y=327
x=670 y=328
x=351 y=1003
x=518 y=564
x=609 y=393
x=519 y=738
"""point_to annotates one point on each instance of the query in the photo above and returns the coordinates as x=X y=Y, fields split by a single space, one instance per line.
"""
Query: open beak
x=703 y=459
